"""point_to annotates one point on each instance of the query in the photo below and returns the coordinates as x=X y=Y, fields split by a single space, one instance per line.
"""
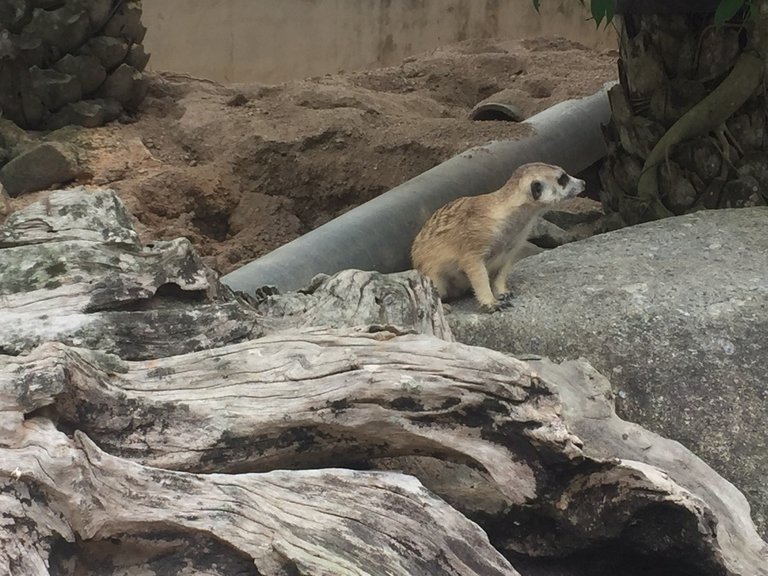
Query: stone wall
x=275 y=40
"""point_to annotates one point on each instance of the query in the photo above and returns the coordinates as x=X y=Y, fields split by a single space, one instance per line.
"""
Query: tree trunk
x=688 y=126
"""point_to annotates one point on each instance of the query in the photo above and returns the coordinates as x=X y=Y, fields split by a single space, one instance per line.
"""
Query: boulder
x=13 y=140
x=126 y=85
x=674 y=312
x=55 y=88
x=87 y=113
x=86 y=68
x=40 y=167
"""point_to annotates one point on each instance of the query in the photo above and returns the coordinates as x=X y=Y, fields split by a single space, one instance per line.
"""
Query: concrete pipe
x=377 y=235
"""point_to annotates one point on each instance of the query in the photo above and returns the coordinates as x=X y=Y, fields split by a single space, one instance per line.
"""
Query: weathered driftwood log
x=358 y=298
x=480 y=429
x=322 y=399
x=64 y=499
x=306 y=399
x=73 y=271
x=589 y=412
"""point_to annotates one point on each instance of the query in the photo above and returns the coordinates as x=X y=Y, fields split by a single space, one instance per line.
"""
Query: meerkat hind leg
x=448 y=284
x=441 y=284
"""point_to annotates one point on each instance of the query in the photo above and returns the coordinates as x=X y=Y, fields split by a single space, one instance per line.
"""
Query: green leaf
x=609 y=13
x=726 y=10
x=536 y=4
x=601 y=9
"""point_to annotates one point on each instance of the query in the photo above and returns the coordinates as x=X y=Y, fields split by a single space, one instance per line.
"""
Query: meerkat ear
x=536 y=187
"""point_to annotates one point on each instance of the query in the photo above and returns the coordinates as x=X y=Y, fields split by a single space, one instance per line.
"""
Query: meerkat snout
x=473 y=242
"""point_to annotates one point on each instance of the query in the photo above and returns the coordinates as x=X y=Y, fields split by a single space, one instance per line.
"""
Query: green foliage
x=604 y=10
x=727 y=9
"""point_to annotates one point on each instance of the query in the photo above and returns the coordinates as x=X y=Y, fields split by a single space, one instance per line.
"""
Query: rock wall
x=72 y=62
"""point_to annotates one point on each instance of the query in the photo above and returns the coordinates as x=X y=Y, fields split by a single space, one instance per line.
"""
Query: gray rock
x=126 y=85
x=110 y=51
x=13 y=138
x=86 y=68
x=87 y=113
x=64 y=28
x=41 y=167
x=55 y=88
x=675 y=312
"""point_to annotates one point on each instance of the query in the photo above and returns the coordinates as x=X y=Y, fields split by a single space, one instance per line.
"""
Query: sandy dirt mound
x=242 y=169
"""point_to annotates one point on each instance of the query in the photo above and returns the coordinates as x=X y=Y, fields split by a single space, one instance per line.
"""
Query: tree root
x=704 y=117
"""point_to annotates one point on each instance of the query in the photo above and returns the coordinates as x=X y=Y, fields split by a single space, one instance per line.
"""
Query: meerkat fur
x=473 y=242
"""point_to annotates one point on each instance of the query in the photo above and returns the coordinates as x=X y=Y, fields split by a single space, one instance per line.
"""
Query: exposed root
x=704 y=117
x=724 y=147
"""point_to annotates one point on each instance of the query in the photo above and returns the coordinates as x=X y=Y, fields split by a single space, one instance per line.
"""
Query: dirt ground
x=242 y=169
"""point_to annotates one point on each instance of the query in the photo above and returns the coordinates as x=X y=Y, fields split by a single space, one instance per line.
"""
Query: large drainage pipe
x=377 y=235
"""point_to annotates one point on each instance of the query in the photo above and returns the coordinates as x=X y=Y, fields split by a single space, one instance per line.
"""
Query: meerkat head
x=545 y=183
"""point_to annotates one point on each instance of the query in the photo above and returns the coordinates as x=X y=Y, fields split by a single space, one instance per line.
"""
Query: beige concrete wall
x=275 y=40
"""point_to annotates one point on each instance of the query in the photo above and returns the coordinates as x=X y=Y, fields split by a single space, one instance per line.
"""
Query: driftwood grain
x=281 y=522
x=407 y=300
x=301 y=400
x=589 y=411
x=323 y=399
x=73 y=271
x=153 y=422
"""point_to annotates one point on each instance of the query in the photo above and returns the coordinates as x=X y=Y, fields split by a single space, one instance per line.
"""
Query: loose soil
x=241 y=169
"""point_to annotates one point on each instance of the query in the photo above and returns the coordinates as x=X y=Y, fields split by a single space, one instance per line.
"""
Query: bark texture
x=405 y=299
x=289 y=448
x=308 y=522
x=74 y=272
x=688 y=126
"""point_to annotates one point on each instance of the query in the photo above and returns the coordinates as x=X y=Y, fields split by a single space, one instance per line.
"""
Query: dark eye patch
x=563 y=179
x=536 y=188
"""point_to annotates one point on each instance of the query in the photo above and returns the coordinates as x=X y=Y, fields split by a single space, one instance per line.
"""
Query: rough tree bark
x=274 y=448
x=688 y=127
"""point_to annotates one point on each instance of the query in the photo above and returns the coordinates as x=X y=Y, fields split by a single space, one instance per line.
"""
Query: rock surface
x=674 y=312
x=41 y=167
x=54 y=54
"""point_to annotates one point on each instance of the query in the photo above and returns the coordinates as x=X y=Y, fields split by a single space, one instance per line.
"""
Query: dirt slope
x=242 y=169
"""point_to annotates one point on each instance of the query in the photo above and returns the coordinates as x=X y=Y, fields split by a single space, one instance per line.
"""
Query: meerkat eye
x=563 y=179
x=536 y=188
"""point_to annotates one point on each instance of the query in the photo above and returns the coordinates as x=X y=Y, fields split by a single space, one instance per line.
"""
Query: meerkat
x=473 y=242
